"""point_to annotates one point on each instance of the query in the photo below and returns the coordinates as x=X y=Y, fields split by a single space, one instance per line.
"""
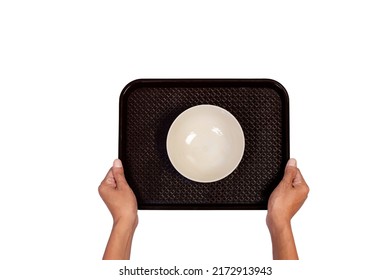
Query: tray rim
x=207 y=82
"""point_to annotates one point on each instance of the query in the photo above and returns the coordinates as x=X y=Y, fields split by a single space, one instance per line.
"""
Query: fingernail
x=292 y=162
x=117 y=163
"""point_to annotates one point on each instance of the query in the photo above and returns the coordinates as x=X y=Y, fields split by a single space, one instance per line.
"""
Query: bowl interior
x=205 y=143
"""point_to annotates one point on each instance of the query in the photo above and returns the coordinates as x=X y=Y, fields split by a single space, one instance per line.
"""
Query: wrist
x=277 y=224
x=126 y=223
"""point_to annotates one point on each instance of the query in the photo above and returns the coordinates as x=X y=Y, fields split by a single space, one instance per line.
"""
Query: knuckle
x=306 y=189
x=101 y=188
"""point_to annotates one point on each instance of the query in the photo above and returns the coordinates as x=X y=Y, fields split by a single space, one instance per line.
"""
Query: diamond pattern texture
x=149 y=108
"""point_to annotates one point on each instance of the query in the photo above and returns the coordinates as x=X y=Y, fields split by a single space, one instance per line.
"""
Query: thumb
x=119 y=174
x=291 y=170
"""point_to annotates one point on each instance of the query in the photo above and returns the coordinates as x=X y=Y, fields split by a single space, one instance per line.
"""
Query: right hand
x=288 y=197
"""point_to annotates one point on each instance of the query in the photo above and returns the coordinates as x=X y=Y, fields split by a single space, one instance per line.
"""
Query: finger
x=290 y=171
x=119 y=174
x=299 y=181
x=298 y=178
x=109 y=179
x=107 y=183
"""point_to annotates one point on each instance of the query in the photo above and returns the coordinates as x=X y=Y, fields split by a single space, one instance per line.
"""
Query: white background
x=63 y=66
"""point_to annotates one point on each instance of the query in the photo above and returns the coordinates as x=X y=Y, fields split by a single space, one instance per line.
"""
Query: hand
x=122 y=203
x=118 y=196
x=284 y=202
x=288 y=197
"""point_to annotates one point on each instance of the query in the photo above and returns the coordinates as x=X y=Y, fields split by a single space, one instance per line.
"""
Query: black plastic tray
x=149 y=106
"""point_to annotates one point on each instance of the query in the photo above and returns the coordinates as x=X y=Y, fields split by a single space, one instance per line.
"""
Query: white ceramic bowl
x=205 y=143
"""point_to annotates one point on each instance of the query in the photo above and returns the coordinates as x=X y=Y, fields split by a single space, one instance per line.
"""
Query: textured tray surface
x=148 y=108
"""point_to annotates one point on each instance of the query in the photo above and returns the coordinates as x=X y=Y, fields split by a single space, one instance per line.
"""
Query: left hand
x=118 y=196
